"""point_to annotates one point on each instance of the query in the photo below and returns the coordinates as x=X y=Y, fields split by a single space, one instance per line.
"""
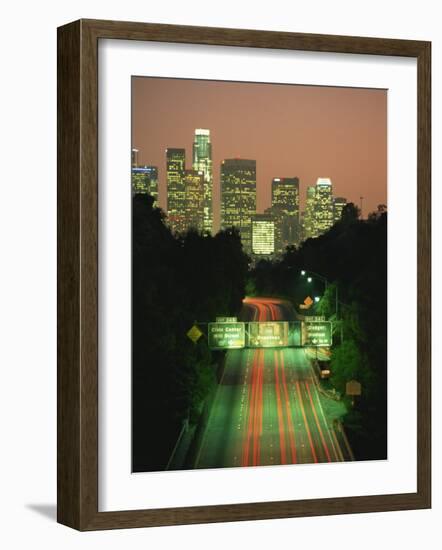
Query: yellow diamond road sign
x=194 y=334
x=308 y=301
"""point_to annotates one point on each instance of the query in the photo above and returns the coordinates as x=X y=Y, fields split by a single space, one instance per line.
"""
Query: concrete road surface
x=267 y=409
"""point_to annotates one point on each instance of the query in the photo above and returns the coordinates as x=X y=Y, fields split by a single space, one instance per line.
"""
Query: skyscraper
x=176 y=191
x=202 y=162
x=323 y=206
x=338 y=206
x=277 y=215
x=263 y=235
x=285 y=205
x=145 y=181
x=194 y=189
x=309 y=214
x=238 y=197
x=134 y=157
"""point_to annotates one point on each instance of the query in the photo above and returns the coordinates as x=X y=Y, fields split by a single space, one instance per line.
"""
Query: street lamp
x=309 y=279
x=325 y=281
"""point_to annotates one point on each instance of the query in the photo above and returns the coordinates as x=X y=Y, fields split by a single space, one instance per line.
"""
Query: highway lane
x=267 y=409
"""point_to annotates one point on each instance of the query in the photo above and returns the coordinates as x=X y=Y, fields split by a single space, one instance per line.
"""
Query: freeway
x=267 y=409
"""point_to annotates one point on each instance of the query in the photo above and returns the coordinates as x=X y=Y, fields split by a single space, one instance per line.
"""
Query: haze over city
x=302 y=131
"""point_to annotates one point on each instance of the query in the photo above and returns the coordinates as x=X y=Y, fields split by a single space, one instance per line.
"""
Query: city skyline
x=189 y=194
x=355 y=121
x=260 y=332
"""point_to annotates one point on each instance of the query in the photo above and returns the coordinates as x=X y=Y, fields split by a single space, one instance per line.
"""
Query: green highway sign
x=316 y=333
x=268 y=334
x=311 y=318
x=226 y=320
x=294 y=333
x=226 y=335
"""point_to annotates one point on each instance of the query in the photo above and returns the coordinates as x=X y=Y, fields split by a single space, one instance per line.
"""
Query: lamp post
x=325 y=281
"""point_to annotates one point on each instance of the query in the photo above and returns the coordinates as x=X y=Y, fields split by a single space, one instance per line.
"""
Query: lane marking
x=258 y=411
x=279 y=409
x=324 y=444
x=251 y=409
x=309 y=435
x=341 y=456
x=291 y=428
x=245 y=460
x=331 y=432
x=300 y=434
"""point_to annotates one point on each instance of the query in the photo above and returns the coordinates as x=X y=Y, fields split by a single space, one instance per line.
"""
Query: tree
x=177 y=280
x=327 y=303
x=346 y=364
x=350 y=214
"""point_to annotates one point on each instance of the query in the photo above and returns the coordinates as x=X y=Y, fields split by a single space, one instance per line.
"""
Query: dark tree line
x=353 y=256
x=176 y=280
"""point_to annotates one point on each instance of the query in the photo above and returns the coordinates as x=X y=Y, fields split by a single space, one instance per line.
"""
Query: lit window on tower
x=263 y=235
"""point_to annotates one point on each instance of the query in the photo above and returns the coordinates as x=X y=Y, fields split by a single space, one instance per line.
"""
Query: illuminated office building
x=238 y=197
x=301 y=225
x=145 y=181
x=194 y=210
x=134 y=157
x=309 y=214
x=263 y=235
x=323 y=218
x=202 y=162
x=338 y=206
x=176 y=191
x=285 y=205
x=278 y=217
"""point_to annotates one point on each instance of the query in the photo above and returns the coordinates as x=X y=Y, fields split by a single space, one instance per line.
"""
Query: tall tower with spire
x=202 y=163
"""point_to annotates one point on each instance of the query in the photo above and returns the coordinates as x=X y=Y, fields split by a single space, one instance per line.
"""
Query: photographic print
x=259 y=274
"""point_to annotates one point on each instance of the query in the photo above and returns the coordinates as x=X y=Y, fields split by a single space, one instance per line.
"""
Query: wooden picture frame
x=78 y=274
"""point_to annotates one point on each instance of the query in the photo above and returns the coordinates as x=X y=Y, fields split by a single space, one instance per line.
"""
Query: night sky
x=303 y=131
